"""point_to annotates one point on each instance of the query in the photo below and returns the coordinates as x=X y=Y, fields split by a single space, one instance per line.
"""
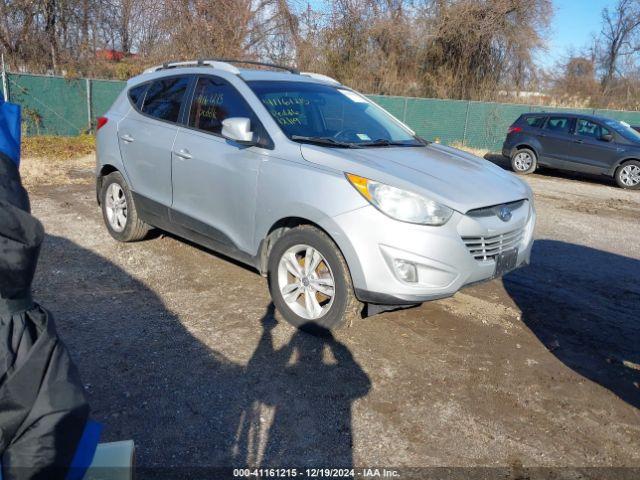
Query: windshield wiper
x=383 y=142
x=323 y=141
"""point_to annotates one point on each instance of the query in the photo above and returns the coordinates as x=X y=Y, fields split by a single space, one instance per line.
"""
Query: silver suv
x=340 y=205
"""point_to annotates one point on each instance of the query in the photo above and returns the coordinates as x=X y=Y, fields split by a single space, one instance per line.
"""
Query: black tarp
x=43 y=409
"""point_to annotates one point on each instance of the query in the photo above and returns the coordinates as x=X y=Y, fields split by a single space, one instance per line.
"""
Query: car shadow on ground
x=593 y=326
x=504 y=162
x=186 y=405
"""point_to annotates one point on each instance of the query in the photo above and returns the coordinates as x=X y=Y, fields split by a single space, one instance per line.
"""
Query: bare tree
x=443 y=48
x=480 y=44
x=619 y=38
x=576 y=82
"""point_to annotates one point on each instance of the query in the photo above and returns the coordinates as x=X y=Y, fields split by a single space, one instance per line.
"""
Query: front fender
x=612 y=170
x=301 y=190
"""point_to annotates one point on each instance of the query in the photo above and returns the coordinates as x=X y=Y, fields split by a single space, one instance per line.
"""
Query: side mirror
x=238 y=129
x=607 y=137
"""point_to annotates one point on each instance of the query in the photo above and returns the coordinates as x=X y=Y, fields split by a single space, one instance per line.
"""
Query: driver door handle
x=184 y=153
x=127 y=138
x=578 y=141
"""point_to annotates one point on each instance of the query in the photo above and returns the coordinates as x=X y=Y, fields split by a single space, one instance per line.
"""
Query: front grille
x=486 y=248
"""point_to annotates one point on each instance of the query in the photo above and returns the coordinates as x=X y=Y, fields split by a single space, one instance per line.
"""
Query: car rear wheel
x=524 y=161
x=628 y=175
x=119 y=211
x=310 y=282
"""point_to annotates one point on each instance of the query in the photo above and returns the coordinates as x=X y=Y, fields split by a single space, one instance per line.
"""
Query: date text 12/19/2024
x=308 y=473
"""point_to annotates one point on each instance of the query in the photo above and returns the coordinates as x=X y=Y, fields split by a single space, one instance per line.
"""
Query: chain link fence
x=60 y=106
x=481 y=125
x=57 y=105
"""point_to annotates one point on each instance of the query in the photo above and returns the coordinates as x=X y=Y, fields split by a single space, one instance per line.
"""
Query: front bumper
x=443 y=261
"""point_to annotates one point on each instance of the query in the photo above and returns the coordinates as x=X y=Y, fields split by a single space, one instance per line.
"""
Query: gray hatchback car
x=334 y=200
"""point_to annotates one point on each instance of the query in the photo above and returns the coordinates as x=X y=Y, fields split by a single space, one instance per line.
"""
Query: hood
x=452 y=177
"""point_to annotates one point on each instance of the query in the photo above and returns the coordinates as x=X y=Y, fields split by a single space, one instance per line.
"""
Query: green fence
x=60 y=106
x=474 y=124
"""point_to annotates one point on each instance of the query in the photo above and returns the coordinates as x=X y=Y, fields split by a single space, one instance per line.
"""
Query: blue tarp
x=85 y=451
x=10 y=130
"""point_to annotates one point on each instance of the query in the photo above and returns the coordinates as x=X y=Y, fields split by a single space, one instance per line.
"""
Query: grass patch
x=57 y=148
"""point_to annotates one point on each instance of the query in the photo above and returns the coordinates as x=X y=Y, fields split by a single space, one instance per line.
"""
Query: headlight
x=400 y=204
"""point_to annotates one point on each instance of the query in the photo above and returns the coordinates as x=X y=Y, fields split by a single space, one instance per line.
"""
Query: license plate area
x=505 y=262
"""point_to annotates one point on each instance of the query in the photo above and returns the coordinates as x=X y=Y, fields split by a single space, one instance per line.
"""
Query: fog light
x=405 y=270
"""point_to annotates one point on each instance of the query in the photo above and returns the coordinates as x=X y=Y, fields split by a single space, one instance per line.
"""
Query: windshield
x=623 y=129
x=332 y=116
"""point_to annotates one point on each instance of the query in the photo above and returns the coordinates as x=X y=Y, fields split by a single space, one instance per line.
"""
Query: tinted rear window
x=137 y=93
x=164 y=98
x=535 y=122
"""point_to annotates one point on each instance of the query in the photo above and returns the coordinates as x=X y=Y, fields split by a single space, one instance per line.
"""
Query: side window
x=558 y=124
x=136 y=94
x=535 y=122
x=164 y=98
x=214 y=100
x=587 y=128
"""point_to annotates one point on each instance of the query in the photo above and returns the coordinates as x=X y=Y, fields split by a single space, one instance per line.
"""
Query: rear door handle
x=127 y=138
x=184 y=153
x=578 y=141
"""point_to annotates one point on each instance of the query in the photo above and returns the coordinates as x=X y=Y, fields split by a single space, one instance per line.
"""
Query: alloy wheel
x=630 y=175
x=522 y=161
x=306 y=281
x=116 y=207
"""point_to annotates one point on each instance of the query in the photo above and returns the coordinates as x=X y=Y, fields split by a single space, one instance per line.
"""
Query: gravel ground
x=180 y=351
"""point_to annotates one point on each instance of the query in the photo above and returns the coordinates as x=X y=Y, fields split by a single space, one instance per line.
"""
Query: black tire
x=623 y=180
x=524 y=155
x=134 y=228
x=345 y=307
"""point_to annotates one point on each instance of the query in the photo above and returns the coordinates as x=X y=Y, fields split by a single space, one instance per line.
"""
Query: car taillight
x=102 y=121
x=514 y=129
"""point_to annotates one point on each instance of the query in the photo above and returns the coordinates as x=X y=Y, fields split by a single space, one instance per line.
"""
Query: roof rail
x=219 y=63
x=322 y=78
x=194 y=63
x=253 y=62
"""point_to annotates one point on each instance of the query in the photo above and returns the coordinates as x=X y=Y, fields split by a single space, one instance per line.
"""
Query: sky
x=573 y=25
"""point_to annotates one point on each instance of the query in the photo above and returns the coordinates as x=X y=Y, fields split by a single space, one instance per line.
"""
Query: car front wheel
x=524 y=161
x=628 y=175
x=310 y=282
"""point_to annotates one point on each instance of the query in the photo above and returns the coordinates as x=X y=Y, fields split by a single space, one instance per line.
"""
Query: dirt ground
x=178 y=348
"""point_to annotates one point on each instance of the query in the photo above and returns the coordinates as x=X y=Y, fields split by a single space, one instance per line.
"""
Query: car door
x=215 y=179
x=591 y=152
x=146 y=137
x=555 y=138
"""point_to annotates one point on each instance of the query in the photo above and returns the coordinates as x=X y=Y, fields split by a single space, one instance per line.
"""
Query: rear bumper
x=507 y=148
